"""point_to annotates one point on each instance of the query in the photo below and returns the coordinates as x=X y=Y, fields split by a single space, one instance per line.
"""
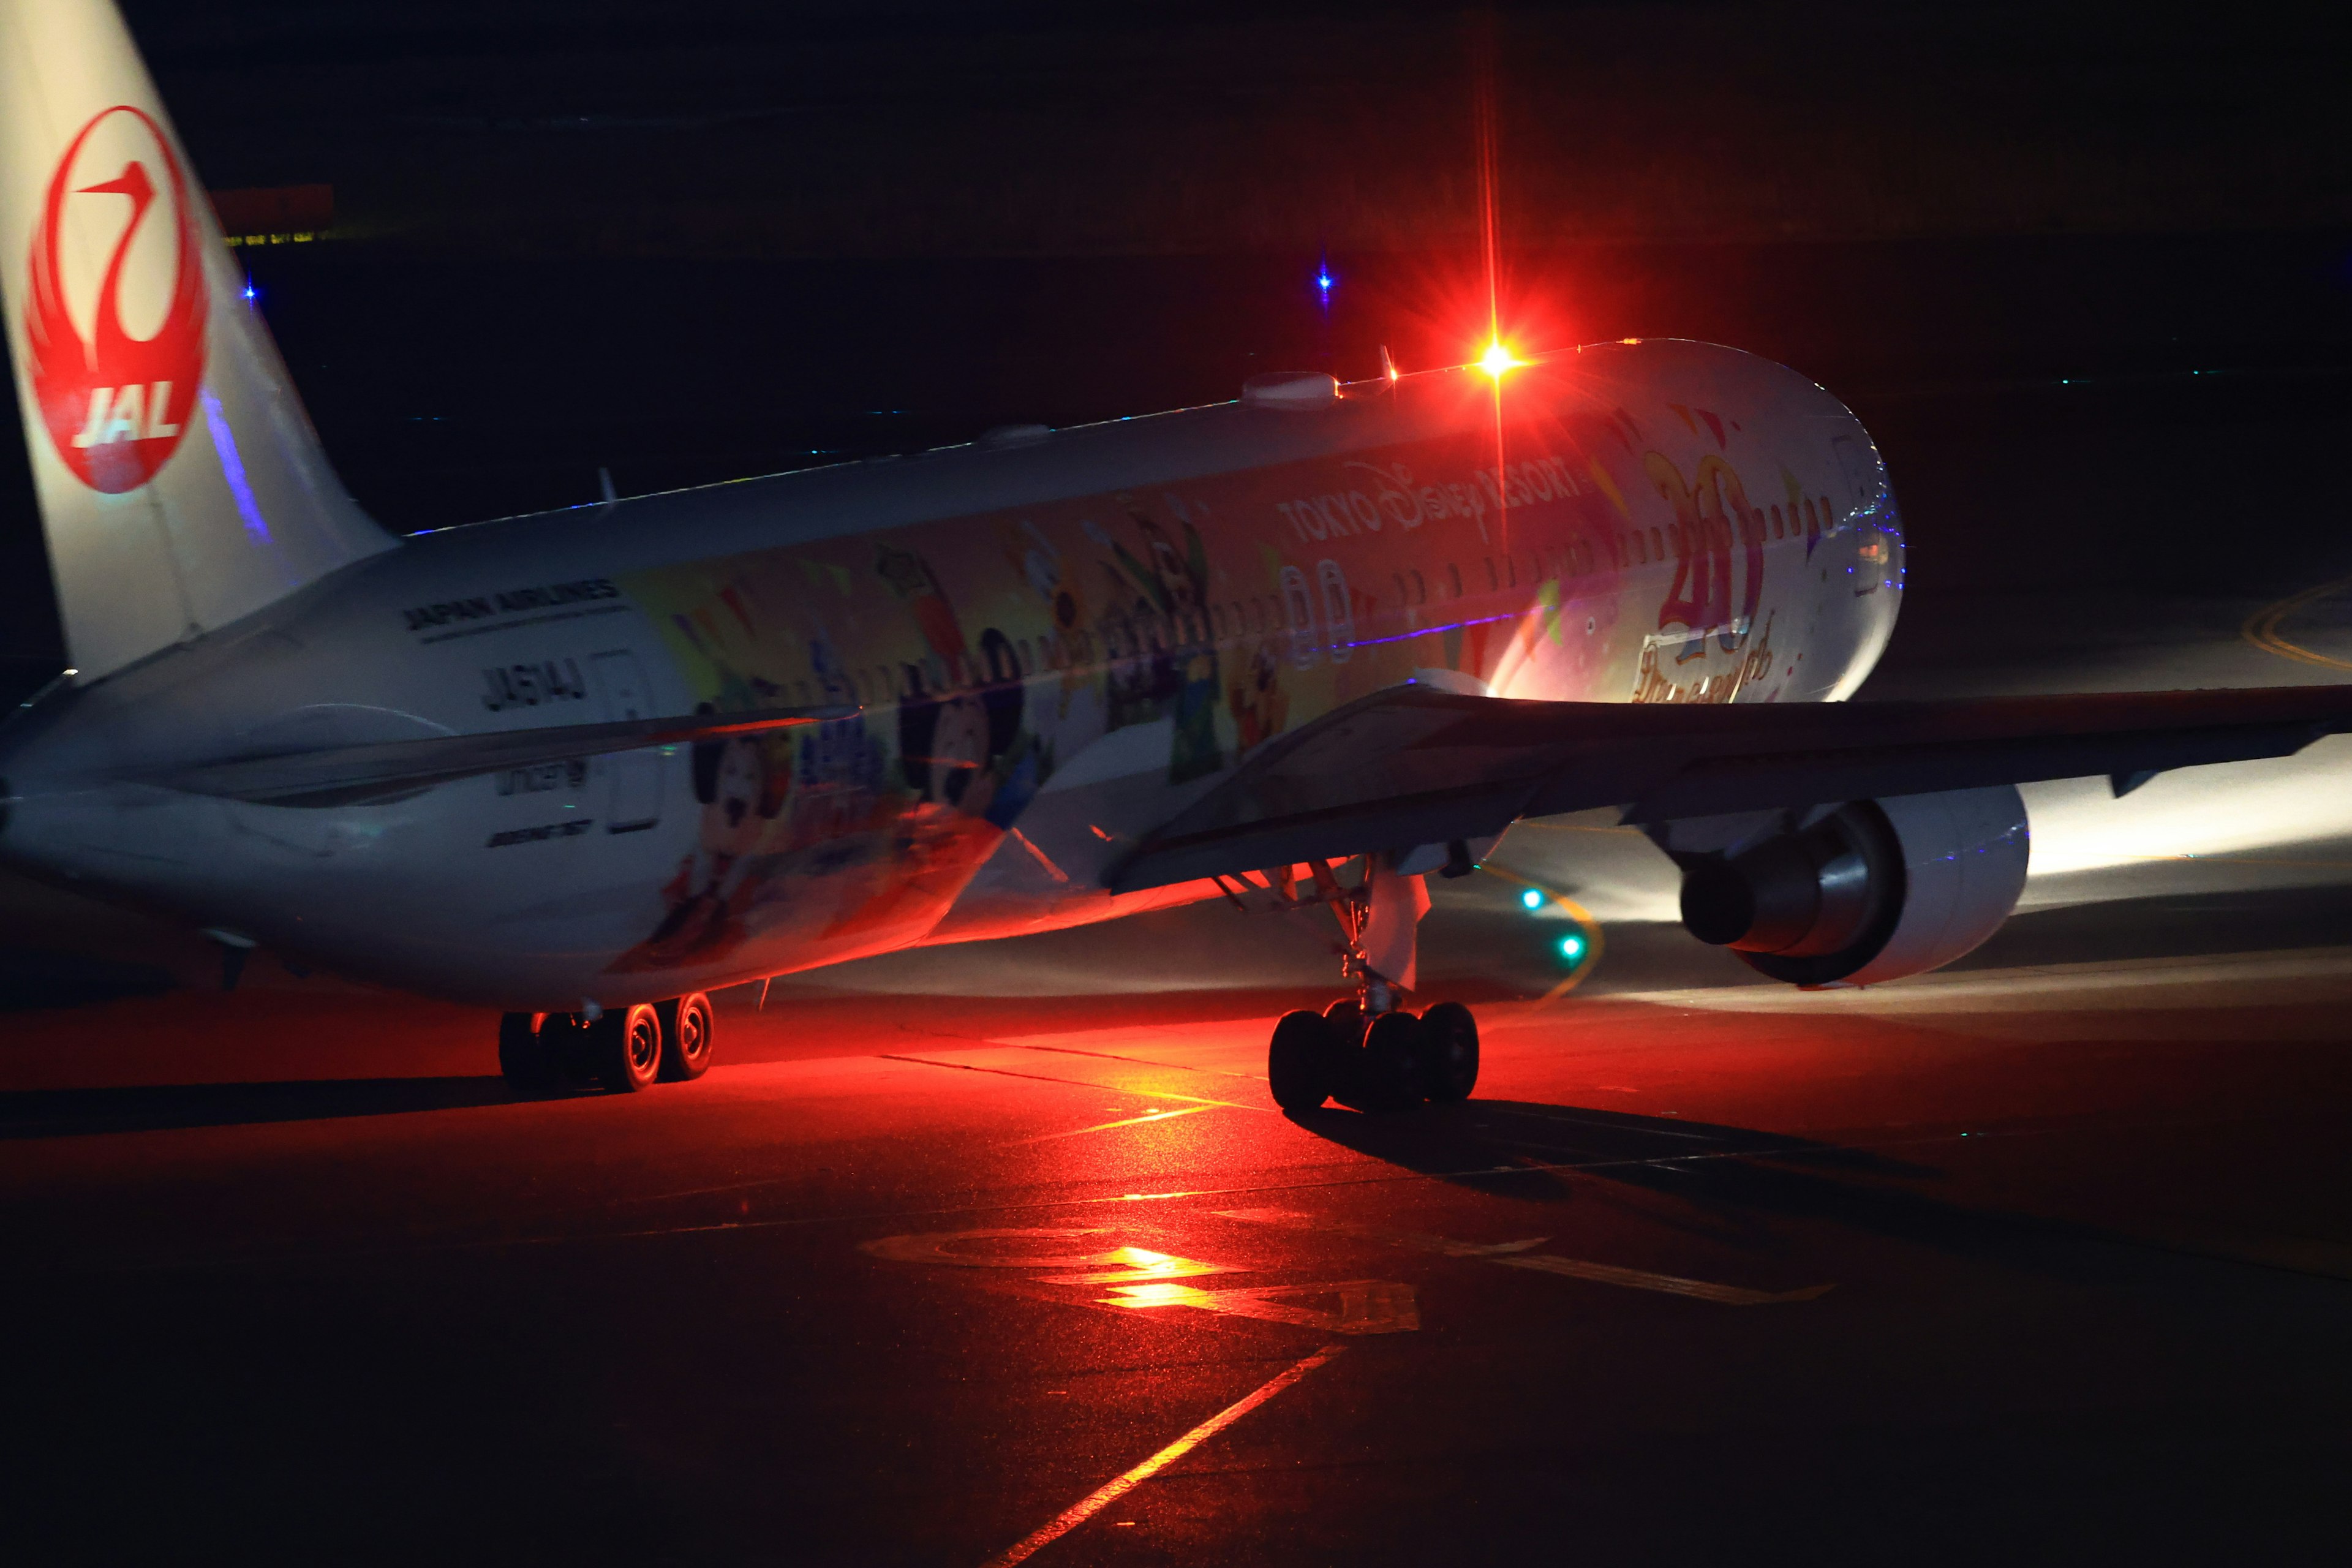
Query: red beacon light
x=1499 y=359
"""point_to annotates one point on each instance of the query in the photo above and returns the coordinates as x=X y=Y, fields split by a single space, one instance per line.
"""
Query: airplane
x=1304 y=649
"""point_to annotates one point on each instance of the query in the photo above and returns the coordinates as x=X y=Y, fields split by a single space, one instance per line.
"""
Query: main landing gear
x=1367 y=1051
x=1391 y=1061
x=623 y=1050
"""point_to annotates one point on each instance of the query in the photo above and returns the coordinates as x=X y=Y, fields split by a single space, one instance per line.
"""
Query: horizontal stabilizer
x=342 y=775
x=1412 y=766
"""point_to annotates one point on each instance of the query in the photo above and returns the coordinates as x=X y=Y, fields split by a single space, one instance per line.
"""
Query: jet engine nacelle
x=1857 y=893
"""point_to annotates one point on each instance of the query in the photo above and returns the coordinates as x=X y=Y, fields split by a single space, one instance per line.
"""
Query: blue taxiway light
x=1571 y=947
x=1532 y=899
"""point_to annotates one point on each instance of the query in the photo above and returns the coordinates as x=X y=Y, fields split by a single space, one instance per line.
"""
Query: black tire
x=688 y=1032
x=1346 y=1017
x=625 y=1046
x=1448 y=1058
x=567 y=1046
x=523 y=1060
x=1387 y=1077
x=1298 y=1062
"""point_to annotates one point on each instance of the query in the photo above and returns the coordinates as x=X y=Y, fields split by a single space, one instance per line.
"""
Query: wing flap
x=1410 y=765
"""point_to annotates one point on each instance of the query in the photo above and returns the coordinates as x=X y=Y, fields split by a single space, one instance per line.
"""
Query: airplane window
x=1455 y=573
x=1777 y=532
x=1020 y=651
x=1829 y=516
x=1658 y=545
x=1403 y=598
x=1494 y=578
x=1420 y=589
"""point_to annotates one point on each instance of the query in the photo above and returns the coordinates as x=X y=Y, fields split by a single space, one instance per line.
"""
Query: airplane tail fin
x=180 y=482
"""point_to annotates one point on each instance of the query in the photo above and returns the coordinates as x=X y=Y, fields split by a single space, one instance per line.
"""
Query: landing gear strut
x=623 y=1050
x=1368 y=1051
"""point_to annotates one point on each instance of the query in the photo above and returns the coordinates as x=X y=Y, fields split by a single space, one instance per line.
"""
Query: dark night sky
x=939 y=129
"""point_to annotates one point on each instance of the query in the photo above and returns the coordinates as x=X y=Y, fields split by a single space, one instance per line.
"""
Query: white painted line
x=1634 y=1278
x=1366 y=1306
x=1444 y=1246
x=1077 y=1514
x=1515 y=1255
x=1144 y=1120
x=1075 y=1082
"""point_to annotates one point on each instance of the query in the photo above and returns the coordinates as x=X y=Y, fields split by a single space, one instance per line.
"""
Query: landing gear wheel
x=1387 y=1074
x=625 y=1046
x=1298 y=1063
x=687 y=1033
x=523 y=1057
x=1447 y=1060
x=1346 y=1017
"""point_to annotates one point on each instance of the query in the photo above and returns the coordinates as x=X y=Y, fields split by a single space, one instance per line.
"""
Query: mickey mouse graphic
x=742 y=782
x=952 y=750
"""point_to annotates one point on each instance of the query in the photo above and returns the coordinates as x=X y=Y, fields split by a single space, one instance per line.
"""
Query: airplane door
x=633 y=777
x=1878 y=542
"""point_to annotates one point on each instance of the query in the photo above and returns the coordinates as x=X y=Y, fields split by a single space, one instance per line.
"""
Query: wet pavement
x=2032 y=1261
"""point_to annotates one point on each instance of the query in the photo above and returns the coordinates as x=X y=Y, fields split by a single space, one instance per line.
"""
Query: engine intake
x=1855 y=894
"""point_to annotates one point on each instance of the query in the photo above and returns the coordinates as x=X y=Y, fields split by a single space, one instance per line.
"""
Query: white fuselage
x=1055 y=644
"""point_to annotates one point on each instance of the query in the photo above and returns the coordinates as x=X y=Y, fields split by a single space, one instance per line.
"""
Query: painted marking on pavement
x=1516 y=1255
x=1635 y=1279
x=1444 y=1246
x=1366 y=1306
x=1140 y=1263
x=1117 y=1265
x=2261 y=627
x=1142 y=1061
x=1143 y=1120
x=1073 y=1082
x=1085 y=1508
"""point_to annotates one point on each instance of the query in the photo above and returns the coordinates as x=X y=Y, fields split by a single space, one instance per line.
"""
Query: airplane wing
x=1412 y=766
x=341 y=775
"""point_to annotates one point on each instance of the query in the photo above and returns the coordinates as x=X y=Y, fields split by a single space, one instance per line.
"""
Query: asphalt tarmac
x=1001 y=1254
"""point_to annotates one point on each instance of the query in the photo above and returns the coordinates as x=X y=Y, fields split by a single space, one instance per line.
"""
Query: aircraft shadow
x=78 y=1112
x=1725 y=1181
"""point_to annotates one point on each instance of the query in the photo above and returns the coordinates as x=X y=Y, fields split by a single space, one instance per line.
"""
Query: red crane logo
x=117 y=406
